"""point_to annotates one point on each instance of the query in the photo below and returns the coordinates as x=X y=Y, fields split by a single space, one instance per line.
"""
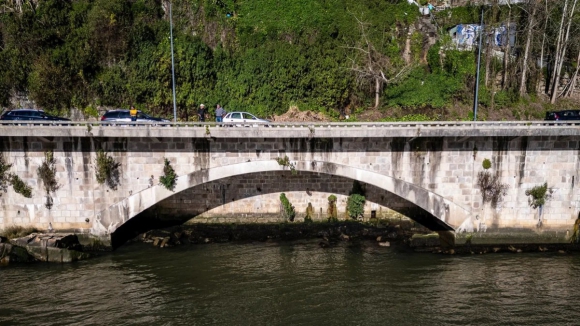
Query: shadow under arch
x=448 y=214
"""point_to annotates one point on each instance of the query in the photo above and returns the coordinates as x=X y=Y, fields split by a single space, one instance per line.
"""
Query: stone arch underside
x=449 y=214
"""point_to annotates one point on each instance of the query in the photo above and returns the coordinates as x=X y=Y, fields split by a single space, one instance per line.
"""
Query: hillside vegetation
x=261 y=56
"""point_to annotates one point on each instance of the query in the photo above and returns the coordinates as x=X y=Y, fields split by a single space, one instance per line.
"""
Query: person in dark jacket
x=201 y=112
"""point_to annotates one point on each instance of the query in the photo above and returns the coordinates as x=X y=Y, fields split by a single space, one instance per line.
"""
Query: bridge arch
x=449 y=213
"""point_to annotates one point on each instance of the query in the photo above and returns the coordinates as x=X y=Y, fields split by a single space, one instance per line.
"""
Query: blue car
x=30 y=115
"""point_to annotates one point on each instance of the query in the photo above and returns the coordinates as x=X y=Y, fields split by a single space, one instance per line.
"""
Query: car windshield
x=248 y=116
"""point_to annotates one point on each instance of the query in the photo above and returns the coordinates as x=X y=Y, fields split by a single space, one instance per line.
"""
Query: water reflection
x=299 y=283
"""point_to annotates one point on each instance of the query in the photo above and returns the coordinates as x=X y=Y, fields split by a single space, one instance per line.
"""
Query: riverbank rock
x=52 y=247
x=10 y=253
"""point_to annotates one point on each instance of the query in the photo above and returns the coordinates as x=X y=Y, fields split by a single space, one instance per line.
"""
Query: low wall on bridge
x=430 y=172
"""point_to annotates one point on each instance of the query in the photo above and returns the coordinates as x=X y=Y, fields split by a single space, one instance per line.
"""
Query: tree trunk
x=561 y=49
x=523 y=90
x=377 y=92
x=506 y=52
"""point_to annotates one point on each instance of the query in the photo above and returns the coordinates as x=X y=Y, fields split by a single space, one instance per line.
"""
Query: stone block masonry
x=429 y=175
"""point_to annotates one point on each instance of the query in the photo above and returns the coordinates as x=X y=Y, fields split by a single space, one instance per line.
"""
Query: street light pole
x=172 y=63
x=475 y=99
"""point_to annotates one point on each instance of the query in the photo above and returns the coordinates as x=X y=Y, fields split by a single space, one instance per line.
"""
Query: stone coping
x=307 y=130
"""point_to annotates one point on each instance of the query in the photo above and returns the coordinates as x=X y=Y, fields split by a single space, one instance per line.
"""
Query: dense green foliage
x=538 y=195
x=20 y=187
x=355 y=206
x=260 y=56
x=265 y=57
x=356 y=201
x=169 y=176
x=107 y=170
x=287 y=208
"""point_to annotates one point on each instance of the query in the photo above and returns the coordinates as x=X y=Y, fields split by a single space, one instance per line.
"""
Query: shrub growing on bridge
x=355 y=206
x=9 y=178
x=332 y=211
x=4 y=175
x=47 y=173
x=168 y=177
x=107 y=171
x=287 y=208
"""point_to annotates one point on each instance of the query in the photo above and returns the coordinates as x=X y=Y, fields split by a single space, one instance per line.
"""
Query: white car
x=244 y=119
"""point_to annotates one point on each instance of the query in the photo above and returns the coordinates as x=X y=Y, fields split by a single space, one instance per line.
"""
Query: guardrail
x=414 y=124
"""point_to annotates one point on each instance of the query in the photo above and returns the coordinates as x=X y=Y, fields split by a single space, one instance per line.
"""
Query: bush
x=355 y=206
x=107 y=171
x=332 y=212
x=20 y=187
x=486 y=164
x=287 y=208
x=168 y=177
x=4 y=175
x=538 y=195
x=47 y=173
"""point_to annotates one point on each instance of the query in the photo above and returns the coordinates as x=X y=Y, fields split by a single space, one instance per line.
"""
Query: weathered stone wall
x=418 y=169
x=255 y=198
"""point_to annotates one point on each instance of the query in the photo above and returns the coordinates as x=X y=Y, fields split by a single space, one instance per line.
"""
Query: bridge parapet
x=292 y=130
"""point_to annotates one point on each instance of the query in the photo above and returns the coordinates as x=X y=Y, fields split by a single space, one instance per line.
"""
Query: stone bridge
x=429 y=172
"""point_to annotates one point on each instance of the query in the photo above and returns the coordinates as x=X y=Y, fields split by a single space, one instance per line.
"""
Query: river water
x=296 y=283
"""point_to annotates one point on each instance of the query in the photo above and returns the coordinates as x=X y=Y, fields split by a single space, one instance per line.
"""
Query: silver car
x=243 y=119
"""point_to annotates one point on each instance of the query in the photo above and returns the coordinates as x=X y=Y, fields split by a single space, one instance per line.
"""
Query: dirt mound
x=295 y=115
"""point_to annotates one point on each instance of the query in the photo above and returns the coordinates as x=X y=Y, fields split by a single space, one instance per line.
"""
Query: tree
x=372 y=67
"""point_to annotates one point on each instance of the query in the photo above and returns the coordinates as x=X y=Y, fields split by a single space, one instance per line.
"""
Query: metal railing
x=413 y=124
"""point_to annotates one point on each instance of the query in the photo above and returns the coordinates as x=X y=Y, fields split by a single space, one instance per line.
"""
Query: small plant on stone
x=47 y=173
x=332 y=212
x=538 y=195
x=5 y=176
x=20 y=187
x=9 y=178
x=107 y=171
x=169 y=176
x=285 y=162
x=287 y=208
x=486 y=164
x=207 y=133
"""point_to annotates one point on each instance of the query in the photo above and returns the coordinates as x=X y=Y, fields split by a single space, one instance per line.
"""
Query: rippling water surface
x=293 y=284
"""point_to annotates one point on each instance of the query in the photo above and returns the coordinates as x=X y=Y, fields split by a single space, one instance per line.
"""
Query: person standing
x=219 y=113
x=133 y=113
x=201 y=113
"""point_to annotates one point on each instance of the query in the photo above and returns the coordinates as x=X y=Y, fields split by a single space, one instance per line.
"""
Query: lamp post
x=172 y=63
x=475 y=99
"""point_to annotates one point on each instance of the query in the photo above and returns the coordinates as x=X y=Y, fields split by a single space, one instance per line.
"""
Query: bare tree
x=529 y=34
x=561 y=46
x=371 y=67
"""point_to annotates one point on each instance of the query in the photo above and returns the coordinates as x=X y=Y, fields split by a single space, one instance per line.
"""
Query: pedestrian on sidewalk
x=201 y=112
x=219 y=114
